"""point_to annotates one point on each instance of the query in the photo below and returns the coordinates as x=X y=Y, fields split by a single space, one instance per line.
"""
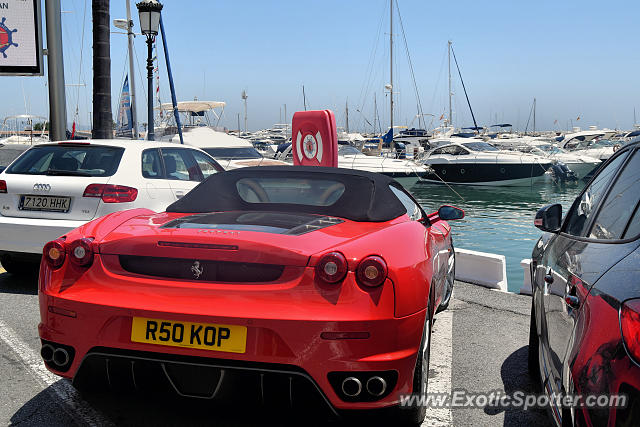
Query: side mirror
x=549 y=218
x=449 y=213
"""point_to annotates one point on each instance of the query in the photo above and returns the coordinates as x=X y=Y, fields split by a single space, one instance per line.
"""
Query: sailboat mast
x=375 y=109
x=304 y=98
x=534 y=115
x=391 y=68
x=347 y=114
x=450 y=114
x=132 y=82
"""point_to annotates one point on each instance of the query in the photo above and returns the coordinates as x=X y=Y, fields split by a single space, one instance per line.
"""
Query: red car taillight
x=110 y=193
x=3 y=186
x=332 y=267
x=80 y=252
x=372 y=271
x=54 y=253
x=630 y=327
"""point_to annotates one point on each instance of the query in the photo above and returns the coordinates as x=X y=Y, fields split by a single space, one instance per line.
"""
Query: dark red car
x=315 y=279
x=585 y=316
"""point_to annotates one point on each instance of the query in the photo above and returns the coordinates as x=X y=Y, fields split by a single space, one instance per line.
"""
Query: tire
x=17 y=268
x=414 y=416
x=534 y=349
x=449 y=281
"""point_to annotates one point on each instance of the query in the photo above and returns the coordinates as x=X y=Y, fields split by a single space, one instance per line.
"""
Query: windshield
x=234 y=153
x=347 y=150
x=479 y=146
x=69 y=160
x=552 y=149
x=579 y=143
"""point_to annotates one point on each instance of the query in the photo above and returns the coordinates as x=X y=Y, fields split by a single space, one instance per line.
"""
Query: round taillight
x=80 y=252
x=630 y=327
x=372 y=271
x=54 y=253
x=332 y=267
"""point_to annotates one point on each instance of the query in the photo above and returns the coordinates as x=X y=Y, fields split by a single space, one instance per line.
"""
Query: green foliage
x=40 y=126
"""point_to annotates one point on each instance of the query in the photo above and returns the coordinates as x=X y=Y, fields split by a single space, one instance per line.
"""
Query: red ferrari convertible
x=310 y=279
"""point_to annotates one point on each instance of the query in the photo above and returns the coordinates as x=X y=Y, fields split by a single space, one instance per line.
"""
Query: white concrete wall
x=481 y=268
x=526 y=283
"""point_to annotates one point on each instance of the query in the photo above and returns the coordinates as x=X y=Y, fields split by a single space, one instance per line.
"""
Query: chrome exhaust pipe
x=47 y=352
x=60 y=357
x=351 y=386
x=376 y=386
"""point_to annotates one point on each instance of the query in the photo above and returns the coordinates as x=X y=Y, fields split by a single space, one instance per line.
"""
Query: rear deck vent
x=201 y=270
x=198 y=246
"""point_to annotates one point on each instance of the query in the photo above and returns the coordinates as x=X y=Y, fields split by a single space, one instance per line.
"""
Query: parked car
x=585 y=314
x=323 y=280
x=54 y=188
x=9 y=152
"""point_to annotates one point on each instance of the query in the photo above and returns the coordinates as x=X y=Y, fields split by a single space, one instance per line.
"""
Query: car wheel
x=449 y=281
x=414 y=415
x=534 y=348
x=16 y=267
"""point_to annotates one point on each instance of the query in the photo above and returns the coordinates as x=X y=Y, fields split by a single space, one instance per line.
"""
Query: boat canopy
x=502 y=125
x=194 y=106
x=23 y=117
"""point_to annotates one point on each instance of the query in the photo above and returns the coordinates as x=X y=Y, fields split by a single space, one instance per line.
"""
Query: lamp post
x=149 y=12
x=244 y=98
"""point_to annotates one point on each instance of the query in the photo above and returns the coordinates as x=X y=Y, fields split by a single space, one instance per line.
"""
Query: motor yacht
x=590 y=142
x=480 y=163
x=577 y=162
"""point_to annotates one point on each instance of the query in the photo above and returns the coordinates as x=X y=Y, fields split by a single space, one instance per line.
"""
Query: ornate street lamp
x=149 y=12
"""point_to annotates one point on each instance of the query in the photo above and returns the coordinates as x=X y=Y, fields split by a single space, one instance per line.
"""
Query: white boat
x=414 y=141
x=193 y=114
x=480 y=163
x=578 y=163
x=19 y=130
x=229 y=150
x=588 y=143
x=405 y=172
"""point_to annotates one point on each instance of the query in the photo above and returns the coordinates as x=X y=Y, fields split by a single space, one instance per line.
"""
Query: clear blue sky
x=577 y=58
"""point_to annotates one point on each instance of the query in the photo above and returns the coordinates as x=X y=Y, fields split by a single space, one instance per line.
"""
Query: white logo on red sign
x=309 y=146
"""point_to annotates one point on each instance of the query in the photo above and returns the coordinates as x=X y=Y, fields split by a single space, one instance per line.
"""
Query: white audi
x=53 y=188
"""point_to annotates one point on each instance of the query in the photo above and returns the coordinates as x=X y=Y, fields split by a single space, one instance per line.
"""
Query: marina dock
x=479 y=345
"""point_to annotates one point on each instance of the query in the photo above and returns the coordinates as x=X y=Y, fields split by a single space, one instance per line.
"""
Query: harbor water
x=498 y=219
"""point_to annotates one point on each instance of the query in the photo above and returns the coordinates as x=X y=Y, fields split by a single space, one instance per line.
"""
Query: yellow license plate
x=229 y=338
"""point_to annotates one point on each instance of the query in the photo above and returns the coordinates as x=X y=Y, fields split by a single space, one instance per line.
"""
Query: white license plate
x=45 y=203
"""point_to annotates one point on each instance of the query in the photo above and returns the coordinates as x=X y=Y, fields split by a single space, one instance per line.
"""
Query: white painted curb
x=481 y=268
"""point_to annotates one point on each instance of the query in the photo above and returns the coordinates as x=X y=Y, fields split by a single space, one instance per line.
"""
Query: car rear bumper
x=29 y=235
x=286 y=324
x=292 y=347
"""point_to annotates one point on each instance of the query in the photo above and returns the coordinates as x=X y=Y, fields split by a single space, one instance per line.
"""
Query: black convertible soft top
x=366 y=195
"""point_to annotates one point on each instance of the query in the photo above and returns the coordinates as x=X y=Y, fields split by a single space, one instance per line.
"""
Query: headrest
x=170 y=164
x=64 y=164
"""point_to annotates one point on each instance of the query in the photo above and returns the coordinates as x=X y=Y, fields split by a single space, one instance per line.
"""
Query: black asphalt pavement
x=490 y=343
